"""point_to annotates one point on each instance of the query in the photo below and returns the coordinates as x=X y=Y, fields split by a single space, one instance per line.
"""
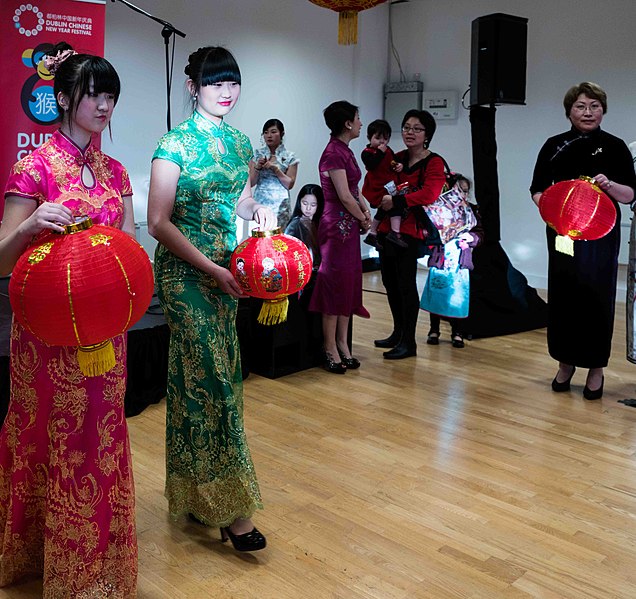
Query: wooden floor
x=456 y=474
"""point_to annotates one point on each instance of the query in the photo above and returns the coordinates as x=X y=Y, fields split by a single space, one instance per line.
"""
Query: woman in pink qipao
x=66 y=486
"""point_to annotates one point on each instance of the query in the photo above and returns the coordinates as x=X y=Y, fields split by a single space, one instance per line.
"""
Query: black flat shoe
x=433 y=337
x=350 y=363
x=596 y=394
x=401 y=351
x=371 y=239
x=565 y=385
x=330 y=365
x=391 y=341
x=395 y=238
x=457 y=340
x=250 y=541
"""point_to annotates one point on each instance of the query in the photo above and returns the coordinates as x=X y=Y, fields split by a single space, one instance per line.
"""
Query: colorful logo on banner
x=27 y=32
x=37 y=98
x=28 y=19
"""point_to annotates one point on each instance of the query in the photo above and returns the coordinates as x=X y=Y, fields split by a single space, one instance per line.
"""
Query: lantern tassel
x=347 y=27
x=95 y=360
x=273 y=311
x=564 y=244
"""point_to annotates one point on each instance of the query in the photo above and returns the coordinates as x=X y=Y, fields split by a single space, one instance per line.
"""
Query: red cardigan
x=379 y=171
x=427 y=179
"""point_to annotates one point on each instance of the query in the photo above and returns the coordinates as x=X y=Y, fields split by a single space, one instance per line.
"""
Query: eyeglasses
x=582 y=108
x=407 y=129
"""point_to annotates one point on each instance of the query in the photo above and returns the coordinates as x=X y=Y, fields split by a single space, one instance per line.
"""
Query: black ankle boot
x=401 y=351
x=391 y=341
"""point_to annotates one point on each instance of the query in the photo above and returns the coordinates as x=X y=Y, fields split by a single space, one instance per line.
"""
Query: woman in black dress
x=582 y=288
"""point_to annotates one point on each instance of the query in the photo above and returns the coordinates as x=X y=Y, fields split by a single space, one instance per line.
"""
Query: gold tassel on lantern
x=564 y=244
x=273 y=311
x=347 y=27
x=95 y=360
x=347 y=16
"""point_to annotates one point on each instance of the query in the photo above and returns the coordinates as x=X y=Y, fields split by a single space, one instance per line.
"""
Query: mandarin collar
x=207 y=125
x=279 y=150
x=340 y=142
x=69 y=146
x=589 y=135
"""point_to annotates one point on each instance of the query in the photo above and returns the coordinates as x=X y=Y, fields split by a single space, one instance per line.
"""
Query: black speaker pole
x=168 y=32
x=501 y=302
x=484 y=145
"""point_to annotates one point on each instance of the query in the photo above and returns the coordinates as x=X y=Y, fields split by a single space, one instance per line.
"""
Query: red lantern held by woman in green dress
x=577 y=210
x=82 y=288
x=271 y=266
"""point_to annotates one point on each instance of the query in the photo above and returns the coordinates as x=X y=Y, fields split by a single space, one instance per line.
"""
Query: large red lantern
x=82 y=288
x=347 y=16
x=271 y=266
x=577 y=210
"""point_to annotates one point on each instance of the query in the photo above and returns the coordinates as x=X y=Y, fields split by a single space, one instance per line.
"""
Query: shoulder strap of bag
x=447 y=171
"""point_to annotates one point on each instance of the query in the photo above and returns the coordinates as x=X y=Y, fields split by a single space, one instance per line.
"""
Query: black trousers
x=398 y=267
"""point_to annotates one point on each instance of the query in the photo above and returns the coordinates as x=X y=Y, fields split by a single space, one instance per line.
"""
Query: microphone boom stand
x=167 y=32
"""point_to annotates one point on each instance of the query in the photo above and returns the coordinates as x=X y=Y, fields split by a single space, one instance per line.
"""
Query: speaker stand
x=501 y=301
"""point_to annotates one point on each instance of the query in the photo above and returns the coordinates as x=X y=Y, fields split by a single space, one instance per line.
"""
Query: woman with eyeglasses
x=423 y=172
x=582 y=288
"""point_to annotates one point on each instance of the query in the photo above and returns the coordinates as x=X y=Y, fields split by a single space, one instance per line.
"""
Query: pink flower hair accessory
x=52 y=63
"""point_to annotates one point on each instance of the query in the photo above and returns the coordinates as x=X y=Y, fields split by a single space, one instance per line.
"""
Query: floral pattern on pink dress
x=338 y=288
x=66 y=481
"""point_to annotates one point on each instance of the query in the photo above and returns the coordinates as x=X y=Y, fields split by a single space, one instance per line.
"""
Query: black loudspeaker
x=498 y=60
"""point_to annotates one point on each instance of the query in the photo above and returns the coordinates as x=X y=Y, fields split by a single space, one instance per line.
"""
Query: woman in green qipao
x=199 y=181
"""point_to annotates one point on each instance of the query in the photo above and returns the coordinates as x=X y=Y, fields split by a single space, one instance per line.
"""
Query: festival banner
x=27 y=31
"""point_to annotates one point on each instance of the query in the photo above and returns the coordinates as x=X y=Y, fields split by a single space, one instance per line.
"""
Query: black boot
x=401 y=351
x=391 y=341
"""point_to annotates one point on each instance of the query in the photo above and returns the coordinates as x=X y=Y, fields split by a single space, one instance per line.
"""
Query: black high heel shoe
x=330 y=365
x=596 y=394
x=250 y=541
x=565 y=385
x=350 y=363
x=193 y=518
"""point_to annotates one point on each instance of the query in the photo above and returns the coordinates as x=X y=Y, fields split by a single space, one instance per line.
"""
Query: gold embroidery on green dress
x=209 y=468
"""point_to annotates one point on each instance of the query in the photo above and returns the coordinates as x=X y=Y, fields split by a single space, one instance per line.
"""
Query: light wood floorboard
x=456 y=474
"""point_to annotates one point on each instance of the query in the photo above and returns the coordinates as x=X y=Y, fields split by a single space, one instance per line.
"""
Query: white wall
x=291 y=65
x=292 y=68
x=569 y=41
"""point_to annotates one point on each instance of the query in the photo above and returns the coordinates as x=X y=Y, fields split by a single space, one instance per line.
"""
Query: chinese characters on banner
x=27 y=31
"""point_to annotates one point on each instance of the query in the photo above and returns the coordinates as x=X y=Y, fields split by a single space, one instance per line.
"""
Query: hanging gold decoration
x=347 y=16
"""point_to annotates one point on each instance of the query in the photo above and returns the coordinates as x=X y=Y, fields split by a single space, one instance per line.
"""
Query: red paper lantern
x=347 y=16
x=577 y=210
x=271 y=266
x=82 y=288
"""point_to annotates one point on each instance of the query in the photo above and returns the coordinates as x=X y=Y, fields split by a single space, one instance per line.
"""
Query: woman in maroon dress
x=338 y=291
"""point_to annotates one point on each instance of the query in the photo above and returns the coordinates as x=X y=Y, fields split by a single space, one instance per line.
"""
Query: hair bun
x=196 y=58
x=57 y=48
x=54 y=58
